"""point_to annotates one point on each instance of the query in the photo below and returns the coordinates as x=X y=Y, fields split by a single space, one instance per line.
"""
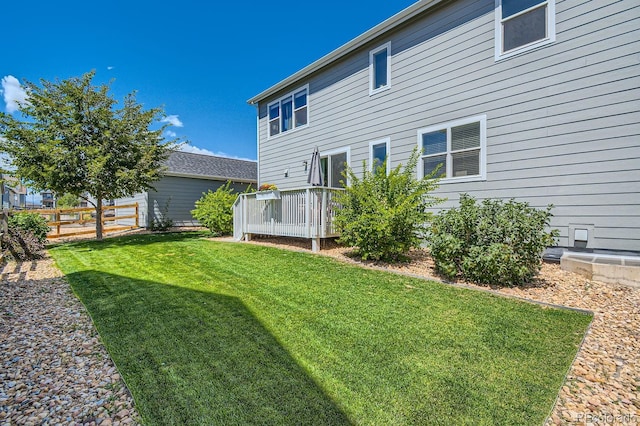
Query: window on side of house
x=380 y=68
x=458 y=148
x=379 y=151
x=289 y=112
x=523 y=24
x=333 y=166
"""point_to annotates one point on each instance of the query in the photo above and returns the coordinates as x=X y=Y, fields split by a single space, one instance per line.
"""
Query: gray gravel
x=53 y=367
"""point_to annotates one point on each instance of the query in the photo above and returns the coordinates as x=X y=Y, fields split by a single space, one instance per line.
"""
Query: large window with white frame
x=523 y=24
x=334 y=164
x=289 y=112
x=379 y=152
x=458 y=148
x=380 y=68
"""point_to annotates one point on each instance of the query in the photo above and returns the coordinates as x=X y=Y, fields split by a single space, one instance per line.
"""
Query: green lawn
x=220 y=333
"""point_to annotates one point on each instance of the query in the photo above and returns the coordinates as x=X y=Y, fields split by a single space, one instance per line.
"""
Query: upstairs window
x=457 y=147
x=523 y=24
x=380 y=68
x=289 y=112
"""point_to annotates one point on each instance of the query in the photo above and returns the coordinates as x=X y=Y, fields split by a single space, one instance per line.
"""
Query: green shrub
x=213 y=210
x=385 y=215
x=30 y=222
x=68 y=201
x=495 y=242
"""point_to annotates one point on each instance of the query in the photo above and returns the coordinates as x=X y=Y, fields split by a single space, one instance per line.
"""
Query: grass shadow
x=193 y=357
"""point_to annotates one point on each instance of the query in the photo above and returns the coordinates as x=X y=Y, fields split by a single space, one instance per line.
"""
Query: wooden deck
x=302 y=213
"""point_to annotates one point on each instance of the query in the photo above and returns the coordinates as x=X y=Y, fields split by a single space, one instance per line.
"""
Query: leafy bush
x=68 y=201
x=385 y=215
x=162 y=222
x=30 y=222
x=213 y=210
x=22 y=244
x=494 y=242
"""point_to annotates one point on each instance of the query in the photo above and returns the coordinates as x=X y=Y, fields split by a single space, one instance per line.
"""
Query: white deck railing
x=304 y=213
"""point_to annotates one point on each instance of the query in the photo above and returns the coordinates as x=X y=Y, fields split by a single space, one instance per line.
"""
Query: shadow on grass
x=192 y=357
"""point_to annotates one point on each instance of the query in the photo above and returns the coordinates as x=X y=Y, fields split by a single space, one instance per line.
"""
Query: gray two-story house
x=530 y=99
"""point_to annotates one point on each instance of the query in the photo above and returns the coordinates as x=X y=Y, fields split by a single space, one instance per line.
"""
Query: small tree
x=68 y=201
x=385 y=215
x=74 y=140
x=213 y=210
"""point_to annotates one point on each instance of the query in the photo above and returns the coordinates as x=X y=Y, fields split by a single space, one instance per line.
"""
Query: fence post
x=57 y=217
x=137 y=216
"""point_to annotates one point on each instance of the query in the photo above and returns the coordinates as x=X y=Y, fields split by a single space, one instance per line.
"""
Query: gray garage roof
x=187 y=164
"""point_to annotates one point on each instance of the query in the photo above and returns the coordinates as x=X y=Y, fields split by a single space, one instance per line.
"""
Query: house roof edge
x=385 y=26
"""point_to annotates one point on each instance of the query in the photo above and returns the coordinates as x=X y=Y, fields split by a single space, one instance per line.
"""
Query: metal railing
x=303 y=213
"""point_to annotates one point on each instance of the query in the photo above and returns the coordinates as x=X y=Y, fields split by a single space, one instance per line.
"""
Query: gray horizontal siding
x=563 y=120
x=176 y=197
x=143 y=210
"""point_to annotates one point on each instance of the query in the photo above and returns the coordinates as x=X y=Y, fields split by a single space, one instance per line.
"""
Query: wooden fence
x=59 y=218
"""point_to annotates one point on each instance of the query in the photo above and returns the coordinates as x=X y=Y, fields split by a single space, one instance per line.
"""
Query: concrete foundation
x=605 y=268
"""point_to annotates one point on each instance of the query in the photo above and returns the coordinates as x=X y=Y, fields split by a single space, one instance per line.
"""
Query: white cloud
x=195 y=150
x=170 y=134
x=203 y=151
x=173 y=120
x=110 y=68
x=13 y=93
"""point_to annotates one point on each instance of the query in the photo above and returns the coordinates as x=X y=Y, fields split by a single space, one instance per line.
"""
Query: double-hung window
x=523 y=24
x=289 y=112
x=458 y=148
x=380 y=68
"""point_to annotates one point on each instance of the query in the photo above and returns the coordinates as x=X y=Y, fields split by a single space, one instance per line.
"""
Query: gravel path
x=53 y=367
x=603 y=384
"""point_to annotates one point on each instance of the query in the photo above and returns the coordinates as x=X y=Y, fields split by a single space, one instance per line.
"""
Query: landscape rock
x=52 y=364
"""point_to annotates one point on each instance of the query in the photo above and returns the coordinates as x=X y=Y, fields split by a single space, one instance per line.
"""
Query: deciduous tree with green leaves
x=67 y=201
x=72 y=138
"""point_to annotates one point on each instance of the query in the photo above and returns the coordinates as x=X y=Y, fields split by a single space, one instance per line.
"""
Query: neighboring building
x=14 y=195
x=48 y=200
x=188 y=176
x=533 y=100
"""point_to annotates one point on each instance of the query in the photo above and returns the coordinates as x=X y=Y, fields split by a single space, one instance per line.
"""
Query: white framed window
x=459 y=147
x=379 y=151
x=333 y=164
x=522 y=25
x=289 y=112
x=380 y=68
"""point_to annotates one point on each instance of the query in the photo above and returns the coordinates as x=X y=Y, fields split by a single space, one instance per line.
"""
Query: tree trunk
x=99 y=219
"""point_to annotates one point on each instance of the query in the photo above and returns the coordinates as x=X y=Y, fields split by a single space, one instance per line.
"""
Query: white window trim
x=551 y=28
x=291 y=93
x=386 y=141
x=483 y=148
x=346 y=149
x=373 y=91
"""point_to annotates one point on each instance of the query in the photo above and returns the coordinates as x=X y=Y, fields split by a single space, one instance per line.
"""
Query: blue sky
x=200 y=61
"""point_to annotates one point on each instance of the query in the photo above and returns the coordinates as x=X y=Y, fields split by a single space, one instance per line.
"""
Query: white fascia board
x=375 y=32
